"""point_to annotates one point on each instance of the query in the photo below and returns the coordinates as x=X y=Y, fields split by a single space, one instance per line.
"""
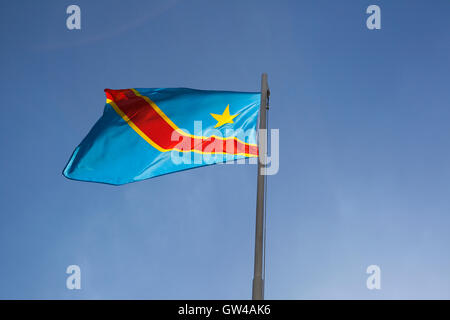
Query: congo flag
x=144 y=133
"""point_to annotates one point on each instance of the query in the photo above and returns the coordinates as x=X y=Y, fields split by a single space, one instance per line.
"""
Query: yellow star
x=224 y=118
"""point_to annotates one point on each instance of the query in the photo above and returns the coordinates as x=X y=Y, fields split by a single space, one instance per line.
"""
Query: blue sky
x=364 y=150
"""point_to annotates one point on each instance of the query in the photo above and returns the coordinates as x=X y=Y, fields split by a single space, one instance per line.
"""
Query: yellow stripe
x=154 y=144
x=175 y=127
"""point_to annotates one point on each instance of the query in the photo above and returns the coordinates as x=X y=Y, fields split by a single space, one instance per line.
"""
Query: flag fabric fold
x=144 y=133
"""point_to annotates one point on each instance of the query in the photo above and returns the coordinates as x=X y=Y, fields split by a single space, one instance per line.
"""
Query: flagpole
x=258 y=281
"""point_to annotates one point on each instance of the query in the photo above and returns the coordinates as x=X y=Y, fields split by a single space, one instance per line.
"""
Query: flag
x=144 y=133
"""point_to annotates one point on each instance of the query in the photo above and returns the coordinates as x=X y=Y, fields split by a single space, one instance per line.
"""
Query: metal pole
x=258 y=281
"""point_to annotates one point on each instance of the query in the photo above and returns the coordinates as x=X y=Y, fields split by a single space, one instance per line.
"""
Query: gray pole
x=258 y=281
